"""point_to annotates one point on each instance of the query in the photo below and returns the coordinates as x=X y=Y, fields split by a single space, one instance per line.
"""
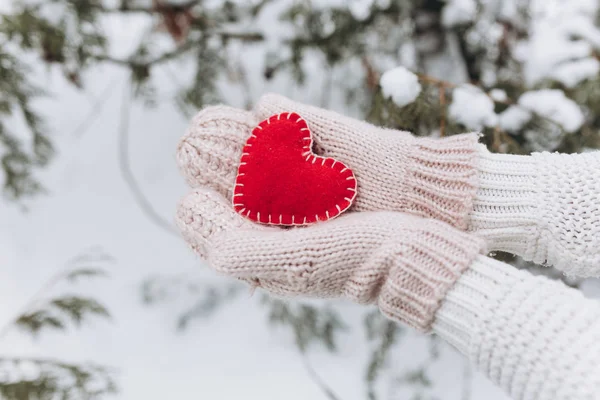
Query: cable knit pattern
x=403 y=263
x=535 y=338
x=544 y=207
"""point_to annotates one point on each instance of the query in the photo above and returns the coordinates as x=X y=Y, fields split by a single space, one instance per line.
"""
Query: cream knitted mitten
x=395 y=170
x=401 y=262
x=542 y=207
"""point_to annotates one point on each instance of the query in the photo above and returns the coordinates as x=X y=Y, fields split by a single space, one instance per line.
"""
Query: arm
x=535 y=338
x=544 y=208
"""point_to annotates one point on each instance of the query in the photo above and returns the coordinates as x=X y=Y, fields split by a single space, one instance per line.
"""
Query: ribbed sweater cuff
x=505 y=210
x=441 y=177
x=464 y=308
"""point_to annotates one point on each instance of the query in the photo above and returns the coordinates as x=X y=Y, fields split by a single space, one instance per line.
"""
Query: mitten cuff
x=441 y=178
x=430 y=264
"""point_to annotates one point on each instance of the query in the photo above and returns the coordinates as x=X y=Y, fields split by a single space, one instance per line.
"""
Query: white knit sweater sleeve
x=544 y=208
x=535 y=338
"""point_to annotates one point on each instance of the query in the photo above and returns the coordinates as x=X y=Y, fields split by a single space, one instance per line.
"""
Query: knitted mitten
x=544 y=207
x=395 y=170
x=401 y=262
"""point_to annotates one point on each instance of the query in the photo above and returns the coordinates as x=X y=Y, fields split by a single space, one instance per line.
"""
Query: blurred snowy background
x=121 y=80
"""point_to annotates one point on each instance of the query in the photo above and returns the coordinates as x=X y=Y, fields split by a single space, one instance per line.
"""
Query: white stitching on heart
x=308 y=155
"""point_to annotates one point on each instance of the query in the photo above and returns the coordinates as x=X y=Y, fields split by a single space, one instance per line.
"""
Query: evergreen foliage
x=481 y=50
x=37 y=378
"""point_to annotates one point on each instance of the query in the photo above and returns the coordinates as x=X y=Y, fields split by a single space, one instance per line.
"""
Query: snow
x=401 y=85
x=498 y=94
x=514 y=118
x=575 y=72
x=562 y=32
x=459 y=12
x=472 y=107
x=233 y=353
x=554 y=105
x=360 y=9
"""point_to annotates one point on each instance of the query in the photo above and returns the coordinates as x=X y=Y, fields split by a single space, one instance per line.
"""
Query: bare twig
x=124 y=7
x=125 y=167
x=317 y=379
x=442 y=89
x=95 y=111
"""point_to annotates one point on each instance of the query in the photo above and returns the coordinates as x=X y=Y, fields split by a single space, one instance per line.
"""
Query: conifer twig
x=125 y=167
x=45 y=288
x=317 y=379
x=442 y=90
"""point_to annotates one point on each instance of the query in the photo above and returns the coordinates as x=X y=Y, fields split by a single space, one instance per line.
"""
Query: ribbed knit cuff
x=421 y=275
x=441 y=178
x=463 y=310
x=505 y=210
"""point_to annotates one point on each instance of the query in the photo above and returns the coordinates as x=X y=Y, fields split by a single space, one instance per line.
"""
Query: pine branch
x=181 y=49
x=58 y=311
x=387 y=332
x=157 y=7
x=33 y=316
x=46 y=378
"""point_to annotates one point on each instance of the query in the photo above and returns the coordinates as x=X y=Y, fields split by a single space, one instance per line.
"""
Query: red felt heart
x=280 y=181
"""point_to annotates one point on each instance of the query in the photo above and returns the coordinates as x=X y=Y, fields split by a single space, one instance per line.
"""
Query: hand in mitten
x=424 y=272
x=542 y=207
x=403 y=263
